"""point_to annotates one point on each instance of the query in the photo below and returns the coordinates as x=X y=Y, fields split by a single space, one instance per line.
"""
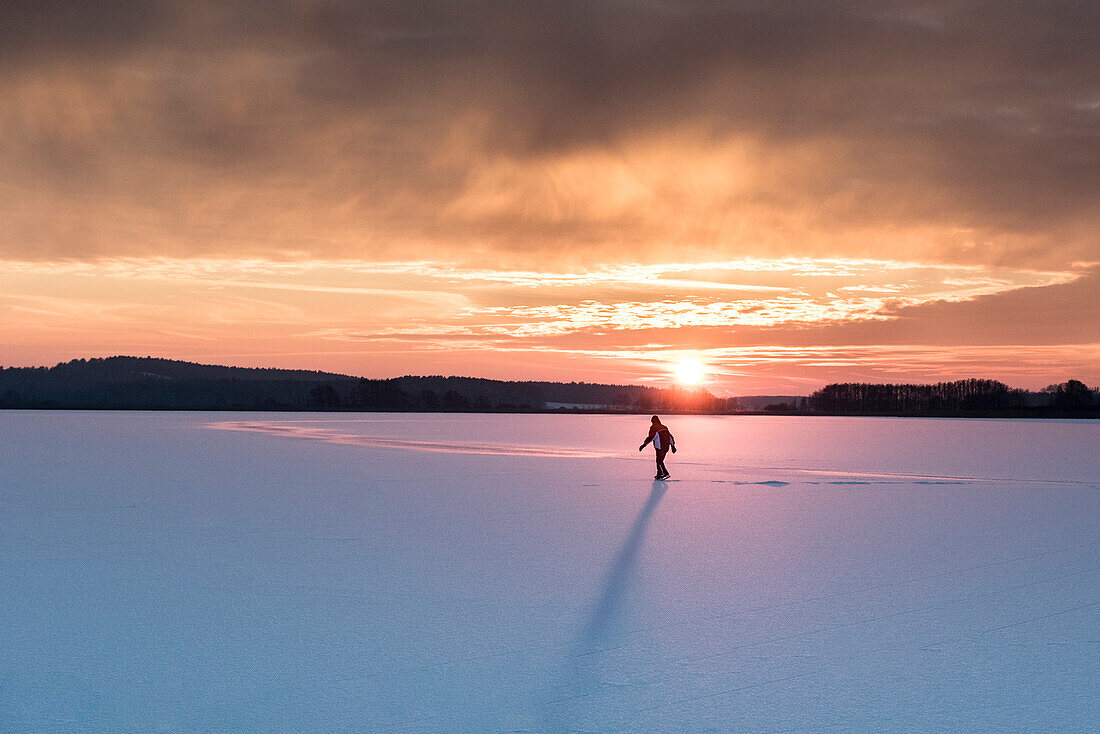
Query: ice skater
x=662 y=442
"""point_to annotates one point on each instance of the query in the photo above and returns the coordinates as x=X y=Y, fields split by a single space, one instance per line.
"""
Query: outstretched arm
x=645 y=443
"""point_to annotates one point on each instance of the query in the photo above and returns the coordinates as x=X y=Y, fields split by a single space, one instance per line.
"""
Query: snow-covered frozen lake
x=229 y=572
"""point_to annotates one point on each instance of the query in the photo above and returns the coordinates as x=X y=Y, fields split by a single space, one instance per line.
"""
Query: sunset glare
x=689 y=372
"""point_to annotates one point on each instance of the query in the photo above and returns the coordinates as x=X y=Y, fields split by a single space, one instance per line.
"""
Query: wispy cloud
x=423 y=298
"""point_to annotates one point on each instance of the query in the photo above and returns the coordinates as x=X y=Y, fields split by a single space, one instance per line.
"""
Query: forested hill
x=163 y=384
x=147 y=382
x=136 y=369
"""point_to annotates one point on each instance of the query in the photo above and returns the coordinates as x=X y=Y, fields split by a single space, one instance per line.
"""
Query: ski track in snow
x=383 y=442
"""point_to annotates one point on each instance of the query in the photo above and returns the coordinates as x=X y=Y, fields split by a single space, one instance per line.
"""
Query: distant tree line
x=1073 y=395
x=146 y=383
x=961 y=397
x=468 y=394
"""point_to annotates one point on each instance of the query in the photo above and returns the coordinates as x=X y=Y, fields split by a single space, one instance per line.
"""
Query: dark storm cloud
x=586 y=70
x=963 y=114
x=32 y=29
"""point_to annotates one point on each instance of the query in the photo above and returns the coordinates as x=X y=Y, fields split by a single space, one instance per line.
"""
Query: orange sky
x=791 y=193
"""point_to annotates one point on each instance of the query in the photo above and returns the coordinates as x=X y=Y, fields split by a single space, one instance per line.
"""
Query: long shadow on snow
x=618 y=578
x=581 y=668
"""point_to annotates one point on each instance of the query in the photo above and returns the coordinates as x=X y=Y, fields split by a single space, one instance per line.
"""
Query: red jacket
x=660 y=437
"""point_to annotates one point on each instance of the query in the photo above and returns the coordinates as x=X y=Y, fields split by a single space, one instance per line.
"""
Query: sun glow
x=690 y=372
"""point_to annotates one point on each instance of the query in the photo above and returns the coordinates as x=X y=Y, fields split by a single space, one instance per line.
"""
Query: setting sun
x=689 y=372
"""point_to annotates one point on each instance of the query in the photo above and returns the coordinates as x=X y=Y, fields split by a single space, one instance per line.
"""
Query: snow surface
x=213 y=572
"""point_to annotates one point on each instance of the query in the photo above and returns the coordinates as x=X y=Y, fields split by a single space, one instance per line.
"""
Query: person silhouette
x=662 y=442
